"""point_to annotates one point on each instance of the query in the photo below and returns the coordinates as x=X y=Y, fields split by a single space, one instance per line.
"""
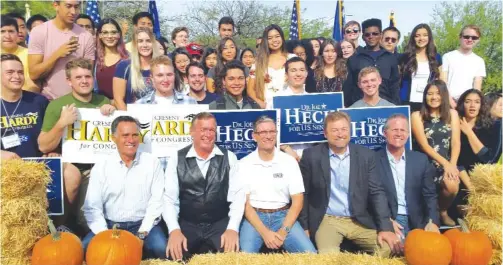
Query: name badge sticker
x=11 y=141
x=277 y=175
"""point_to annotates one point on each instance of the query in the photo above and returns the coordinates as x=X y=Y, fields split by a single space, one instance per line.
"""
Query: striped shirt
x=123 y=194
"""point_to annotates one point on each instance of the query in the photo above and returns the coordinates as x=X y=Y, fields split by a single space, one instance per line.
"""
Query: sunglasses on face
x=388 y=39
x=374 y=34
x=352 y=31
x=467 y=37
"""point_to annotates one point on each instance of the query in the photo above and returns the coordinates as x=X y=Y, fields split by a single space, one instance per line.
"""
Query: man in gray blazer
x=407 y=178
x=343 y=195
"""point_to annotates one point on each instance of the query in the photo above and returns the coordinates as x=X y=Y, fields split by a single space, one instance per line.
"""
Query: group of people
x=299 y=198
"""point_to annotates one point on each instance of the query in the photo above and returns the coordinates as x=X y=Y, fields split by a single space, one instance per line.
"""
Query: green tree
x=450 y=17
x=36 y=7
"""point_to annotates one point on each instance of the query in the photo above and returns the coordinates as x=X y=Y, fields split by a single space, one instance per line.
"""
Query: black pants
x=203 y=237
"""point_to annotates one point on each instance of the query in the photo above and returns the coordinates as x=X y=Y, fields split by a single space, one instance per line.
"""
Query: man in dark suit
x=343 y=195
x=407 y=177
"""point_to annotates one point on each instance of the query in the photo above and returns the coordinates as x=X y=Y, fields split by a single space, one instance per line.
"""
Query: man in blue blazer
x=343 y=195
x=407 y=177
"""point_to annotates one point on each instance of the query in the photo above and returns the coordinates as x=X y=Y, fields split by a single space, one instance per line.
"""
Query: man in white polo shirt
x=274 y=196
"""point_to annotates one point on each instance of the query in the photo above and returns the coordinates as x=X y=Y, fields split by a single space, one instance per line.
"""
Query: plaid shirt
x=178 y=98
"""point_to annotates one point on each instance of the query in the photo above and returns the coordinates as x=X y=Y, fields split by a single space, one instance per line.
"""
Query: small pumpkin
x=58 y=248
x=469 y=248
x=114 y=247
x=425 y=248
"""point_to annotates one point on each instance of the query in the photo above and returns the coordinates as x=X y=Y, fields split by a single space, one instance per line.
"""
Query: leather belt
x=286 y=207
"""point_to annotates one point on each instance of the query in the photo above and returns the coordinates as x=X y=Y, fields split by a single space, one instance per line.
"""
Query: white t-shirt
x=270 y=184
x=419 y=81
x=461 y=70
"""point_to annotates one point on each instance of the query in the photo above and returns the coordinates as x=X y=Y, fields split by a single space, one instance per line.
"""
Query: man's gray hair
x=262 y=119
x=395 y=116
x=120 y=119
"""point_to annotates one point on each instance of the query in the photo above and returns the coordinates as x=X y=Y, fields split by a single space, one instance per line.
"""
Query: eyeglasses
x=388 y=39
x=352 y=30
x=108 y=33
x=264 y=133
x=374 y=34
x=467 y=37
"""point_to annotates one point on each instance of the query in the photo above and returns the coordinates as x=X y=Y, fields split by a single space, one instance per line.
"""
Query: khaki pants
x=334 y=229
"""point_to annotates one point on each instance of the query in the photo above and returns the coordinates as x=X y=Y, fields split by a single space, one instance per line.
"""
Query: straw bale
x=15 y=261
x=487 y=179
x=160 y=262
x=24 y=211
x=492 y=228
x=293 y=259
x=484 y=205
x=22 y=178
x=18 y=240
x=496 y=257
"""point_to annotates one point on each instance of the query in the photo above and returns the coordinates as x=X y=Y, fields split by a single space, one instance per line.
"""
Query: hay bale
x=23 y=178
x=23 y=214
x=492 y=228
x=160 y=262
x=485 y=205
x=487 y=179
x=496 y=257
x=307 y=259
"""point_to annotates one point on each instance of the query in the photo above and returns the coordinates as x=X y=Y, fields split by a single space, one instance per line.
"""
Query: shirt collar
x=331 y=153
x=177 y=97
x=290 y=90
x=136 y=159
x=192 y=153
x=258 y=161
x=392 y=158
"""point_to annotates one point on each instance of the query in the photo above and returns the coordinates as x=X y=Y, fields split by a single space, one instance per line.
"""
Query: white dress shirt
x=121 y=194
x=235 y=194
x=271 y=184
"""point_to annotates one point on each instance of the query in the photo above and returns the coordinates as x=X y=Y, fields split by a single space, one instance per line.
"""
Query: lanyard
x=8 y=116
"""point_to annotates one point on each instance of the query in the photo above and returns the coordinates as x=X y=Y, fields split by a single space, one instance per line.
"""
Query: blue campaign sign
x=235 y=129
x=302 y=116
x=55 y=188
x=367 y=125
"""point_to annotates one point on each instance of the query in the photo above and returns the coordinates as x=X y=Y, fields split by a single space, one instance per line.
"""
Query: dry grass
x=496 y=258
x=490 y=227
x=484 y=205
x=23 y=178
x=284 y=259
x=487 y=179
x=15 y=261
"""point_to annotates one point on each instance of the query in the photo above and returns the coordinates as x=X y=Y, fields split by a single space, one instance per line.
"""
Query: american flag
x=92 y=11
x=295 y=24
x=152 y=9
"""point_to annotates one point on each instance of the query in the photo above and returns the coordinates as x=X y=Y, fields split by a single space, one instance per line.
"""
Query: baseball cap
x=194 y=49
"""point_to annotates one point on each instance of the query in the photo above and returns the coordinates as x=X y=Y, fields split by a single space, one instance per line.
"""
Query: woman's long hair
x=340 y=68
x=137 y=82
x=291 y=45
x=445 y=106
x=100 y=47
x=178 y=51
x=408 y=66
x=262 y=62
x=221 y=63
x=484 y=119
x=207 y=52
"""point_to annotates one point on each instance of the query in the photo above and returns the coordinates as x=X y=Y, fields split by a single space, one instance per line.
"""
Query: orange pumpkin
x=114 y=247
x=469 y=248
x=426 y=248
x=58 y=248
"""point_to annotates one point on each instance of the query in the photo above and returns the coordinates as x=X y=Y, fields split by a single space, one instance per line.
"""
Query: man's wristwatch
x=286 y=228
x=142 y=235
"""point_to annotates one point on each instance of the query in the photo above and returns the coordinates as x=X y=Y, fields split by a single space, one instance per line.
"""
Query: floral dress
x=438 y=134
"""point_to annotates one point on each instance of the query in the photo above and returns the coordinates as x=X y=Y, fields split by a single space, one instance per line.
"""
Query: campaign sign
x=367 y=124
x=170 y=126
x=302 y=116
x=55 y=188
x=235 y=129
x=89 y=139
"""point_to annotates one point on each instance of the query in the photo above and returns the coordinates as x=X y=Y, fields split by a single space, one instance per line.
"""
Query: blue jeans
x=403 y=220
x=296 y=241
x=154 y=245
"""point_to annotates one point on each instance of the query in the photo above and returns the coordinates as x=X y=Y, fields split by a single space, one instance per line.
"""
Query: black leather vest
x=203 y=200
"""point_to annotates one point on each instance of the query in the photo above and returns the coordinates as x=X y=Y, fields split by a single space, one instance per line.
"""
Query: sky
x=407 y=13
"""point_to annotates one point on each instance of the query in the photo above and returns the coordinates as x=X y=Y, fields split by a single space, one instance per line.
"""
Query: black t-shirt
x=210 y=97
x=25 y=120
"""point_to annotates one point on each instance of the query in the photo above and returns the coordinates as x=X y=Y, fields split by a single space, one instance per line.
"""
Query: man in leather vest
x=203 y=199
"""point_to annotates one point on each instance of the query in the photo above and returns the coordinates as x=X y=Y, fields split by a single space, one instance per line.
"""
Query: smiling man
x=126 y=190
x=55 y=43
x=372 y=55
x=414 y=204
x=369 y=80
x=203 y=197
x=197 y=83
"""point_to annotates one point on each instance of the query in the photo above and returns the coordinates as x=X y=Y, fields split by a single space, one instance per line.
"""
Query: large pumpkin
x=427 y=248
x=469 y=248
x=58 y=248
x=114 y=247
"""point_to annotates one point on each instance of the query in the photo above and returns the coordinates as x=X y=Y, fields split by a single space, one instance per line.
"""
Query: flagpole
x=298 y=19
